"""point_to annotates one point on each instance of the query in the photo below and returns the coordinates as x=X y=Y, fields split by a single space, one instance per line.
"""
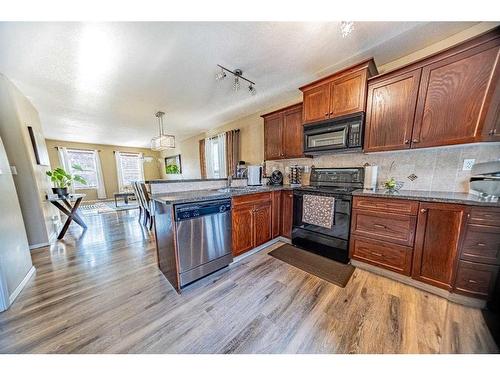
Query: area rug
x=324 y=268
x=95 y=208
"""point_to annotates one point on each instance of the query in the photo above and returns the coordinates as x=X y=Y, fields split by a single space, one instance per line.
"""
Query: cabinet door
x=262 y=223
x=436 y=243
x=491 y=127
x=293 y=133
x=286 y=213
x=316 y=103
x=273 y=136
x=276 y=208
x=390 y=112
x=242 y=228
x=348 y=94
x=453 y=97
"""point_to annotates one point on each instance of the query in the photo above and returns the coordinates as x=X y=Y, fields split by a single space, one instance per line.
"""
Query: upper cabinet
x=283 y=133
x=340 y=94
x=449 y=98
x=391 y=111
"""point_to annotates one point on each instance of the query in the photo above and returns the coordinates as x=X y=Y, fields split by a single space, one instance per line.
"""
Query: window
x=215 y=156
x=86 y=160
x=131 y=168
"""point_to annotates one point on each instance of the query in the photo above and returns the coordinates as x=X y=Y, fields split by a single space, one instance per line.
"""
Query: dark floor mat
x=325 y=268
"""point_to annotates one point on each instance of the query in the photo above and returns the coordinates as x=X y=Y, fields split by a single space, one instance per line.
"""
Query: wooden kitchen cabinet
x=390 y=112
x=437 y=242
x=242 y=228
x=383 y=232
x=348 y=94
x=316 y=105
x=273 y=127
x=286 y=213
x=283 y=133
x=337 y=95
x=455 y=247
x=276 y=214
x=451 y=97
x=251 y=221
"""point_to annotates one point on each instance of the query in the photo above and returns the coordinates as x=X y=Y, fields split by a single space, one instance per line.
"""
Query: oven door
x=332 y=243
x=325 y=137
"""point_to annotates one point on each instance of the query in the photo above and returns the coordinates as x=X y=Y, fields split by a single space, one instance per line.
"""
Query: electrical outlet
x=468 y=163
x=13 y=170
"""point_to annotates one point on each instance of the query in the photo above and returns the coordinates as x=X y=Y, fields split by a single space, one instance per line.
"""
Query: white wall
x=16 y=114
x=15 y=259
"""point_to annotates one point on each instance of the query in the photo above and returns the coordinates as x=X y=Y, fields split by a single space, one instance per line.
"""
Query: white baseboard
x=20 y=287
x=38 y=245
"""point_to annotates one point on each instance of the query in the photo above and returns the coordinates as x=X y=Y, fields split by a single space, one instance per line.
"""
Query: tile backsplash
x=436 y=169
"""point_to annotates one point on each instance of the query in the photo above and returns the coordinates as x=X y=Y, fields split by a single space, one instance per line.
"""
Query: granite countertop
x=210 y=194
x=430 y=196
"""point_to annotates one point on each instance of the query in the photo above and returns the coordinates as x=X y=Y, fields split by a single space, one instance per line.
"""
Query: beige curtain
x=232 y=151
x=203 y=164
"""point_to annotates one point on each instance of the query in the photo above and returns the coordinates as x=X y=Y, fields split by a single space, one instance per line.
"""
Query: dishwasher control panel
x=189 y=211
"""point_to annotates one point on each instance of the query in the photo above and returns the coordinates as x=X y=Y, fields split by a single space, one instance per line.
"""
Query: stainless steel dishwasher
x=203 y=235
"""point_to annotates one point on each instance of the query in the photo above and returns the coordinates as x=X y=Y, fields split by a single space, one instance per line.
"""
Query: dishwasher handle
x=189 y=211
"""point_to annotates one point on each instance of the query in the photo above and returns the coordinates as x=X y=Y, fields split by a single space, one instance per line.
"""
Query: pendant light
x=163 y=141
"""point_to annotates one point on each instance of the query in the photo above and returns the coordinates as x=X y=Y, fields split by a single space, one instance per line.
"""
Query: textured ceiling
x=102 y=82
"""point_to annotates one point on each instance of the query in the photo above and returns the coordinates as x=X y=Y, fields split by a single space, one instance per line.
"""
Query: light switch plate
x=468 y=163
x=13 y=170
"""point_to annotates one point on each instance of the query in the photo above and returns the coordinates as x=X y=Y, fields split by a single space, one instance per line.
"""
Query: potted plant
x=62 y=180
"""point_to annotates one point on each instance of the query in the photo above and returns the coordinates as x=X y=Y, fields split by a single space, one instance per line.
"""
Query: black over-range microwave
x=341 y=134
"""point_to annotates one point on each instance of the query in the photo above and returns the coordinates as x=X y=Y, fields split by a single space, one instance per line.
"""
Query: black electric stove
x=330 y=242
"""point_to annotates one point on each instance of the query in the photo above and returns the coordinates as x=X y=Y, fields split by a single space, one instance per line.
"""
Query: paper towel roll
x=371 y=177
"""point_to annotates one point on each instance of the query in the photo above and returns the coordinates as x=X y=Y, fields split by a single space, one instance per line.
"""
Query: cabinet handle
x=415 y=140
x=472 y=281
x=326 y=114
x=376 y=254
x=423 y=210
x=380 y=226
x=481 y=244
x=491 y=132
x=331 y=113
x=407 y=141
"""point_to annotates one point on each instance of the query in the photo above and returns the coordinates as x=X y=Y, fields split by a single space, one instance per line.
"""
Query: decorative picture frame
x=173 y=164
x=39 y=147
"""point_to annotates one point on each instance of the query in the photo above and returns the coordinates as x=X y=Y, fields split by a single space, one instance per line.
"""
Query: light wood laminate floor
x=103 y=293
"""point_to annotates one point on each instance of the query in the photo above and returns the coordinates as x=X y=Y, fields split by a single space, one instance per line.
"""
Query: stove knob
x=222 y=209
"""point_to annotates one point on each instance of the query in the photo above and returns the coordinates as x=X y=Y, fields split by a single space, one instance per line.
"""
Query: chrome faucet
x=229 y=181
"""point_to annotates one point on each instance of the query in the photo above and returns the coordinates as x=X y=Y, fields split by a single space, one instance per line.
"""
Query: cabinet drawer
x=398 y=206
x=475 y=280
x=393 y=228
x=394 y=257
x=481 y=244
x=252 y=198
x=484 y=217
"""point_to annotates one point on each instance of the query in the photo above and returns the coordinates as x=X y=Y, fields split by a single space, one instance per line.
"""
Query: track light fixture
x=238 y=75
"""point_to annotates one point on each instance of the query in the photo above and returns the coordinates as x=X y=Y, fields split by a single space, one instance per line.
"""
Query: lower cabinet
x=242 y=228
x=450 y=246
x=286 y=213
x=251 y=221
x=475 y=279
x=262 y=223
x=392 y=256
x=437 y=242
x=276 y=206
